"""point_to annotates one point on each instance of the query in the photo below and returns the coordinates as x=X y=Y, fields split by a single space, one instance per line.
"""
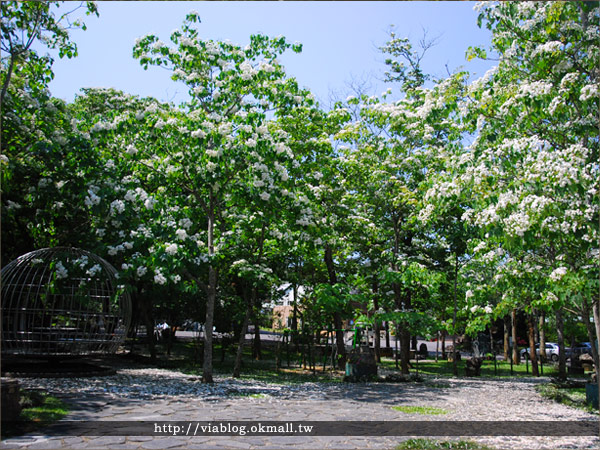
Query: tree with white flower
x=198 y=161
x=532 y=166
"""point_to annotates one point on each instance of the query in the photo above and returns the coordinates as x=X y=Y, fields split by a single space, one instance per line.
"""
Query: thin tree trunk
x=590 y=330
x=337 y=317
x=596 y=309
x=7 y=78
x=149 y=322
x=387 y=334
x=295 y=310
x=506 y=340
x=237 y=367
x=404 y=350
x=377 y=325
x=536 y=332
x=513 y=325
x=542 y=334
x=560 y=327
x=532 y=352
x=256 y=346
x=454 y=362
x=207 y=367
x=444 y=356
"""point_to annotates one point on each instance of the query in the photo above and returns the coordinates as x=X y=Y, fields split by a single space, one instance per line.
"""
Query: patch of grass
x=51 y=410
x=443 y=368
x=431 y=444
x=247 y=394
x=570 y=396
x=39 y=410
x=424 y=410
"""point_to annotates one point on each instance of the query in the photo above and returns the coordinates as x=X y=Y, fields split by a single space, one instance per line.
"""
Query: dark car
x=581 y=348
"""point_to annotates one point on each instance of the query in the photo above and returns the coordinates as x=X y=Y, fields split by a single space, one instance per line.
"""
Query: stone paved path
x=161 y=395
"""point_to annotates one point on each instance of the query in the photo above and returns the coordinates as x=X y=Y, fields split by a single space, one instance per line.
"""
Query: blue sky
x=340 y=41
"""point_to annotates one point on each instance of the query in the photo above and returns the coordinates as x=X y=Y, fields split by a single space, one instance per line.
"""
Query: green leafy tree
x=191 y=166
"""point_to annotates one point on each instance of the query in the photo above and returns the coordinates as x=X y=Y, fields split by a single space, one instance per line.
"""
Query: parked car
x=551 y=351
x=581 y=348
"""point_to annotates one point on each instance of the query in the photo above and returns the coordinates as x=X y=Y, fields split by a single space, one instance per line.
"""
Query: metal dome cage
x=60 y=302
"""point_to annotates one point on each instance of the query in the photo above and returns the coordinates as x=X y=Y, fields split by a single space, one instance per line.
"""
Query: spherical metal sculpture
x=59 y=302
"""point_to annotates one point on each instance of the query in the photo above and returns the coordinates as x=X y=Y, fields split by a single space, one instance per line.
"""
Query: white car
x=551 y=351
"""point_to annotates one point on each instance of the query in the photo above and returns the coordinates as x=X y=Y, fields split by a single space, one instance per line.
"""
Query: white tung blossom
x=181 y=234
x=247 y=71
x=94 y=270
x=558 y=273
x=149 y=203
x=185 y=223
x=117 y=206
x=61 y=271
x=172 y=249
x=517 y=223
x=588 y=91
x=159 y=278
x=198 y=134
x=92 y=199
x=548 y=47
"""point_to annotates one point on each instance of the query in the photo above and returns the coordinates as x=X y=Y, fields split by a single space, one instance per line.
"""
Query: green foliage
x=423 y=410
x=431 y=444
x=479 y=196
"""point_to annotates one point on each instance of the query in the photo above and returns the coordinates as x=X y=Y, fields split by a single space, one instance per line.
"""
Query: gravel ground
x=158 y=394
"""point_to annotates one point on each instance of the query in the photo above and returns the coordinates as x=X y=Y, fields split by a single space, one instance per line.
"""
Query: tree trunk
x=596 y=309
x=590 y=330
x=257 y=345
x=149 y=322
x=542 y=334
x=387 y=334
x=207 y=367
x=295 y=310
x=237 y=367
x=9 y=72
x=444 y=356
x=536 y=332
x=532 y=352
x=337 y=317
x=560 y=331
x=506 y=340
x=404 y=350
x=513 y=325
x=377 y=325
x=454 y=363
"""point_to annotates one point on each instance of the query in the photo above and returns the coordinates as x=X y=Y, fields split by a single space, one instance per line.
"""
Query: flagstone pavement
x=148 y=394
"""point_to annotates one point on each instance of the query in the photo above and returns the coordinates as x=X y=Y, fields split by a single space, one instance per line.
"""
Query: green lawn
x=186 y=356
x=432 y=444
x=570 y=396
x=423 y=410
x=444 y=368
x=39 y=410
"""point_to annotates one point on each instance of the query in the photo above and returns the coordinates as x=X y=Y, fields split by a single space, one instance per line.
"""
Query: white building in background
x=283 y=309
